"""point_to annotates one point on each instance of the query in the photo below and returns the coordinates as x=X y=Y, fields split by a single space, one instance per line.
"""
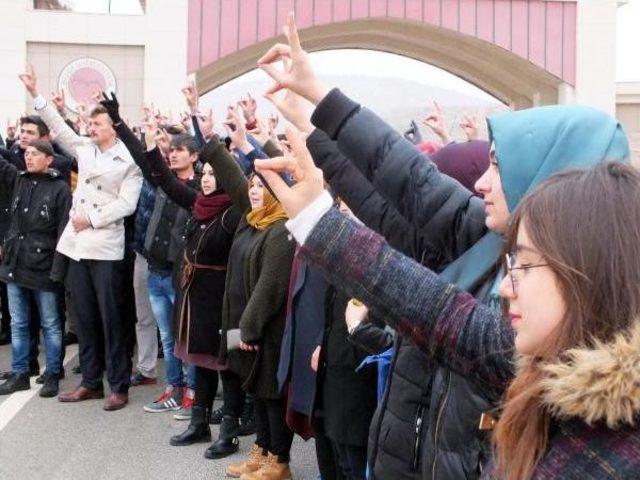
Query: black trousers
x=272 y=432
x=206 y=387
x=103 y=330
x=129 y=300
x=352 y=460
x=232 y=394
x=325 y=453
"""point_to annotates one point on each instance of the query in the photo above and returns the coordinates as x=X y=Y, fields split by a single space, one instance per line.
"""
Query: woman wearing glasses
x=435 y=435
x=565 y=361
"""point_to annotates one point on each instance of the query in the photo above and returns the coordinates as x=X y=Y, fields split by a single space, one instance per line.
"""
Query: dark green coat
x=266 y=272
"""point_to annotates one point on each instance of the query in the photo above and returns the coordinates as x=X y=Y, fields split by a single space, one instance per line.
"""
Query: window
x=115 y=7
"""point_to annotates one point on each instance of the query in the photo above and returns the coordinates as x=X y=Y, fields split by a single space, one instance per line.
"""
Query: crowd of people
x=423 y=310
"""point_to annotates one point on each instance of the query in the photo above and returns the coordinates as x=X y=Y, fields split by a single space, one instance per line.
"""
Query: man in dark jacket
x=31 y=267
x=32 y=127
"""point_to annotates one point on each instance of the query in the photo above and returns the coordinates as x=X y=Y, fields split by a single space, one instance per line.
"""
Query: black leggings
x=206 y=387
x=232 y=394
x=272 y=432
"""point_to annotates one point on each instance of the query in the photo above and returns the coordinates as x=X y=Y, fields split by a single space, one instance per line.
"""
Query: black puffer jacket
x=15 y=155
x=39 y=211
x=427 y=423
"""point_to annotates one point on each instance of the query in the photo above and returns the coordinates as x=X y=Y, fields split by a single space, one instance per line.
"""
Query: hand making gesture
x=309 y=183
x=298 y=75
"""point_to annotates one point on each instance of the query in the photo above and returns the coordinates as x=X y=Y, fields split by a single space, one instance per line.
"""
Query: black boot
x=15 y=383
x=50 y=387
x=247 y=420
x=40 y=380
x=216 y=416
x=197 y=431
x=227 y=443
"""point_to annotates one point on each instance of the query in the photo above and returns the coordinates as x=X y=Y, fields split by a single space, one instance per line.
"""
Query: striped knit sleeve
x=450 y=325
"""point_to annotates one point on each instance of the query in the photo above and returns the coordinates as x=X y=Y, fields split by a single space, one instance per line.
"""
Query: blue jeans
x=50 y=321
x=162 y=297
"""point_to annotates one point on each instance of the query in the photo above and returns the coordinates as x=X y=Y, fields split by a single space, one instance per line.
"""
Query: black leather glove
x=112 y=106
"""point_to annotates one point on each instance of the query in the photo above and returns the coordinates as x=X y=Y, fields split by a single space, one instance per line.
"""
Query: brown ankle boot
x=255 y=460
x=270 y=470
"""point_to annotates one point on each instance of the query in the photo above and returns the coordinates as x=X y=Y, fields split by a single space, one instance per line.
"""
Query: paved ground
x=46 y=439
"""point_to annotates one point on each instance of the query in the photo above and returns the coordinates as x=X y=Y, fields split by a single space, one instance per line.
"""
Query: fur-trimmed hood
x=599 y=384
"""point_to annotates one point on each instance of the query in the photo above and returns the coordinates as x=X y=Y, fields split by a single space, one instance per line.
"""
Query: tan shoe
x=271 y=470
x=254 y=461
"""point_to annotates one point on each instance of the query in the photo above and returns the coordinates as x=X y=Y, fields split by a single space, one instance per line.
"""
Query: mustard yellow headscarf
x=270 y=212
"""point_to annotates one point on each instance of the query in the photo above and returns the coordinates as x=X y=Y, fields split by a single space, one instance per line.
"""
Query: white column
x=166 y=54
x=596 y=54
x=13 y=52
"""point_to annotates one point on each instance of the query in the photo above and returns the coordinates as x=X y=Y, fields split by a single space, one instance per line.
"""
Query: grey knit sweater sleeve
x=448 y=324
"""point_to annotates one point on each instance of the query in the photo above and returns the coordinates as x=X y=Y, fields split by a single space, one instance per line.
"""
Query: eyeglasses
x=514 y=271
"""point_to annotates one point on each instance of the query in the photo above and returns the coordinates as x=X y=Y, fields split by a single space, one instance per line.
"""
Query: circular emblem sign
x=82 y=78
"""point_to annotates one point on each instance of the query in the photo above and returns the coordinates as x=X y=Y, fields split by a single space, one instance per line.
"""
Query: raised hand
x=309 y=183
x=261 y=132
x=435 y=121
x=59 y=101
x=150 y=131
x=185 y=120
x=163 y=140
x=298 y=75
x=30 y=81
x=112 y=106
x=191 y=96
x=293 y=107
x=236 y=129
x=469 y=125
x=206 y=123
x=249 y=107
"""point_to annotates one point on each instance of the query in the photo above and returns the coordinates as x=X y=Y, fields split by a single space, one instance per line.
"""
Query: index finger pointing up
x=291 y=31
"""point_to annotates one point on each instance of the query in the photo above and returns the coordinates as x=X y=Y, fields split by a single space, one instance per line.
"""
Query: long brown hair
x=586 y=224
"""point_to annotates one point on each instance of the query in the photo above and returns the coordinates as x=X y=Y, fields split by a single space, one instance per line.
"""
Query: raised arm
x=397 y=169
x=130 y=140
x=163 y=177
x=394 y=166
x=227 y=172
x=449 y=325
x=67 y=138
x=368 y=205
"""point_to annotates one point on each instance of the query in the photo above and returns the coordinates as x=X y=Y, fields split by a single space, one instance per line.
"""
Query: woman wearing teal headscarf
x=464 y=233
